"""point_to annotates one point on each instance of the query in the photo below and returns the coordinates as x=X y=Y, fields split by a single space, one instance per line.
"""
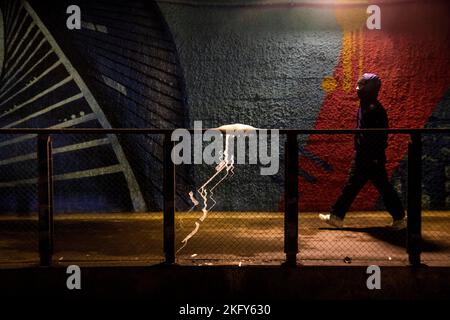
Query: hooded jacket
x=371 y=145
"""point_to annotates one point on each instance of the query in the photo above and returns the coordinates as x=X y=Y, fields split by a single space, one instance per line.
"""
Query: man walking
x=369 y=161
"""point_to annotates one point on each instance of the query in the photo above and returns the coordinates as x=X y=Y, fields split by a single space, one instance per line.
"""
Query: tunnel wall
x=127 y=56
x=274 y=64
x=126 y=61
x=270 y=65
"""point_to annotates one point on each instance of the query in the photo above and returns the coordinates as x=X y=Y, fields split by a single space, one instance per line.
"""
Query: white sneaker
x=398 y=224
x=332 y=220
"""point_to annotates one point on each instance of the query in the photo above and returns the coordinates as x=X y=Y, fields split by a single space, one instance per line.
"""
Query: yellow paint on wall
x=329 y=84
x=347 y=61
x=361 y=52
x=352 y=21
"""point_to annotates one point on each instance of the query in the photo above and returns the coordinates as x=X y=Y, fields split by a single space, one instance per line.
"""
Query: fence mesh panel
x=243 y=224
x=436 y=198
x=108 y=203
x=18 y=199
x=106 y=209
x=328 y=172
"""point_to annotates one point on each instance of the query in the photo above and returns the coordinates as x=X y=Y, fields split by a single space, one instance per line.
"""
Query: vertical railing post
x=291 y=199
x=169 y=201
x=414 y=223
x=45 y=198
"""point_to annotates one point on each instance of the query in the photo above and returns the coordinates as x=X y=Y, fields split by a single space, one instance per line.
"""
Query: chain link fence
x=18 y=199
x=436 y=199
x=109 y=201
x=108 y=206
x=336 y=179
x=232 y=216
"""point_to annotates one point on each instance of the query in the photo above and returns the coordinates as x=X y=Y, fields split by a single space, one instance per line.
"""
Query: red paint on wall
x=411 y=55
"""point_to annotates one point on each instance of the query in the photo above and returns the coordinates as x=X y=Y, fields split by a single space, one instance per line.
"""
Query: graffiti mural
x=295 y=65
x=411 y=89
x=166 y=64
x=107 y=76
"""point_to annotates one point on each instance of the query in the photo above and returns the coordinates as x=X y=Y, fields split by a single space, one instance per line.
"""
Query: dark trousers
x=362 y=170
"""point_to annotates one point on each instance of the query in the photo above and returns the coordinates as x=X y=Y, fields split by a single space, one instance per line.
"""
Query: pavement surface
x=223 y=238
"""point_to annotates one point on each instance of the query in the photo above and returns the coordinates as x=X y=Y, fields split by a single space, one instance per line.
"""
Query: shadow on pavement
x=394 y=237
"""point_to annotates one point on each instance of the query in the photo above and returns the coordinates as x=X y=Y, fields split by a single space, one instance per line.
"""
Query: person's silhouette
x=369 y=162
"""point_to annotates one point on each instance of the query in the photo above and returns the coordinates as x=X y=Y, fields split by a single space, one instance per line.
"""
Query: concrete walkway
x=224 y=238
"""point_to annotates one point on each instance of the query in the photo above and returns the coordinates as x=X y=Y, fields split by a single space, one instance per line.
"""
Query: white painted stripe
x=94 y=27
x=68 y=176
x=24 y=75
x=135 y=192
x=17 y=140
x=87 y=25
x=11 y=57
x=23 y=52
x=25 y=157
x=67 y=124
x=16 y=16
x=18 y=29
x=11 y=9
x=46 y=110
x=8 y=9
x=69 y=148
x=81 y=146
x=16 y=183
x=2 y=41
x=16 y=33
x=38 y=96
x=115 y=85
x=74 y=122
x=89 y=173
x=26 y=61
x=35 y=80
x=101 y=28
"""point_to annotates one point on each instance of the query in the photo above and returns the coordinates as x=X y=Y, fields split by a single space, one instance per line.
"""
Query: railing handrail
x=165 y=131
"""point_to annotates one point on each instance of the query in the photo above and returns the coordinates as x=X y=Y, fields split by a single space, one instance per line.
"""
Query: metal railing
x=291 y=186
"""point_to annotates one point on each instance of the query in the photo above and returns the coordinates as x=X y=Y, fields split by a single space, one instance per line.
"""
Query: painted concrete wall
x=261 y=67
x=270 y=66
x=296 y=65
x=127 y=56
x=127 y=66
